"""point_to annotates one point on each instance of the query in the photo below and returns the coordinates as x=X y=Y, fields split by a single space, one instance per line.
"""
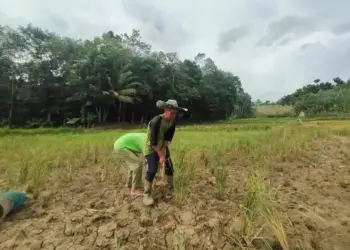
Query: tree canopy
x=320 y=98
x=46 y=79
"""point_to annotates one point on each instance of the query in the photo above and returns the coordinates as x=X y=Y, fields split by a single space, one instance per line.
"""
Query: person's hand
x=162 y=159
x=164 y=151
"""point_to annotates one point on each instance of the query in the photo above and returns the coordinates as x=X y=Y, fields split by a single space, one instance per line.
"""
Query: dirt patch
x=90 y=214
x=313 y=193
x=87 y=213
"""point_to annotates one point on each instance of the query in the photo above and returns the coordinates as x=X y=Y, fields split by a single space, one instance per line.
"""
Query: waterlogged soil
x=88 y=212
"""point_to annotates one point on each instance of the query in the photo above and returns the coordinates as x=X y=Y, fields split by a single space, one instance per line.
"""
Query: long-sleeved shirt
x=159 y=130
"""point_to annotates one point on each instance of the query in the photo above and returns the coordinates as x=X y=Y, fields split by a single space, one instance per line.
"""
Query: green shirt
x=131 y=141
x=159 y=130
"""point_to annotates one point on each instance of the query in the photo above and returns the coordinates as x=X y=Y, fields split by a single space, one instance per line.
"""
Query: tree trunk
x=99 y=114
x=105 y=114
x=48 y=118
x=12 y=100
x=132 y=117
x=191 y=107
x=123 y=112
x=173 y=77
x=82 y=114
x=120 y=112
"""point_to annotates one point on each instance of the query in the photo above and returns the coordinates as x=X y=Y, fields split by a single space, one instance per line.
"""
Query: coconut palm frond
x=127 y=92
x=94 y=88
x=98 y=91
x=137 y=99
x=134 y=85
x=110 y=83
x=114 y=94
x=126 y=99
x=144 y=89
x=126 y=67
x=77 y=96
x=131 y=79
x=125 y=76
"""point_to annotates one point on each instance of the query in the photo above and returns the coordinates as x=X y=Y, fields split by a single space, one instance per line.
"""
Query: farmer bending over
x=160 y=133
x=129 y=148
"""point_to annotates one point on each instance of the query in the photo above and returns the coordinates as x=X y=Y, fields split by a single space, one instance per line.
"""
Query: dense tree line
x=260 y=102
x=46 y=79
x=318 y=86
x=320 y=98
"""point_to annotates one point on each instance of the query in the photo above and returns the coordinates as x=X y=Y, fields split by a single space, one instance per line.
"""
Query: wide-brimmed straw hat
x=170 y=104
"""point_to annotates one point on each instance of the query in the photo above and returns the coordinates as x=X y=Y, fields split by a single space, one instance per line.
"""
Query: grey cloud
x=61 y=25
x=324 y=62
x=12 y=21
x=94 y=29
x=296 y=25
x=285 y=41
x=263 y=9
x=159 y=27
x=305 y=46
x=145 y=13
x=53 y=22
x=190 y=26
x=342 y=28
x=315 y=61
x=78 y=19
x=322 y=7
x=230 y=37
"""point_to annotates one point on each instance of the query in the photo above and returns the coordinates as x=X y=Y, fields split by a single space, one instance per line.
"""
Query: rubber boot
x=170 y=181
x=129 y=179
x=147 y=194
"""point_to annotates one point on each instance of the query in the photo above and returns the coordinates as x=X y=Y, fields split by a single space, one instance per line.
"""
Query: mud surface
x=87 y=213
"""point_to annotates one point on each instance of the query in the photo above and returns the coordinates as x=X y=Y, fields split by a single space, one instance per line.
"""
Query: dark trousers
x=152 y=162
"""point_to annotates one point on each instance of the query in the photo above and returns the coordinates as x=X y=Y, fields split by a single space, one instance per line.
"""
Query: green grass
x=28 y=161
x=40 y=131
x=273 y=110
x=180 y=241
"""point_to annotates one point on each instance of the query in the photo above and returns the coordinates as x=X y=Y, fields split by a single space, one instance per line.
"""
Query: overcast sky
x=274 y=46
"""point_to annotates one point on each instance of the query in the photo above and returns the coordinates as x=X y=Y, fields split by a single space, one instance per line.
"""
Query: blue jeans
x=152 y=162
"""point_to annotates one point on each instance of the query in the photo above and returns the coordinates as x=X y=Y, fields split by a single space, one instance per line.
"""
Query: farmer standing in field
x=129 y=148
x=160 y=133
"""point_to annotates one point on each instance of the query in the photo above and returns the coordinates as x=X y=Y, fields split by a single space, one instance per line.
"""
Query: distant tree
x=258 y=102
x=48 y=78
x=319 y=98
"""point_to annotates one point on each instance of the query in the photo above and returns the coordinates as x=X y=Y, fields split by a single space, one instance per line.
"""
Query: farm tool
x=160 y=177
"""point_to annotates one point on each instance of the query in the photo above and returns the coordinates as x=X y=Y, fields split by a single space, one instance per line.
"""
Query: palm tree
x=125 y=91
